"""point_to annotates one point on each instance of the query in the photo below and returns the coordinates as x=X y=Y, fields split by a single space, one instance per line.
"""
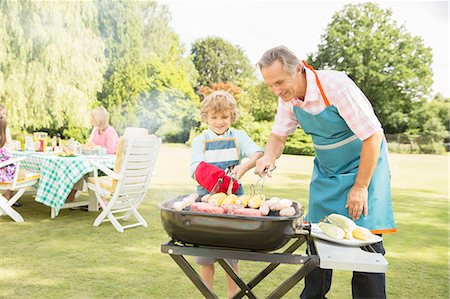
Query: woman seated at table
x=103 y=134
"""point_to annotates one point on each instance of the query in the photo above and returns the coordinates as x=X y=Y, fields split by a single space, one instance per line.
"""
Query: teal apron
x=335 y=167
x=221 y=152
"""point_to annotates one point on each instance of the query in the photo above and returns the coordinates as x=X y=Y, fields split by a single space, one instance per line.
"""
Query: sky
x=257 y=26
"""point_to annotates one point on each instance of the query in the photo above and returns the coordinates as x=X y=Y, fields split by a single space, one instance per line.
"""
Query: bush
x=299 y=144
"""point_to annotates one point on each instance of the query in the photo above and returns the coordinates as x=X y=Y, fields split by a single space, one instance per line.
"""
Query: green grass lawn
x=67 y=257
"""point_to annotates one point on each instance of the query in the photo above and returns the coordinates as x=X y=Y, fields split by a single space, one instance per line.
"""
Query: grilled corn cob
x=243 y=200
x=217 y=199
x=230 y=199
x=332 y=230
x=343 y=222
x=361 y=233
x=256 y=201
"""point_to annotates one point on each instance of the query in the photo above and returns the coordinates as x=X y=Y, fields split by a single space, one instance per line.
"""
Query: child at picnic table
x=212 y=152
x=103 y=134
x=6 y=172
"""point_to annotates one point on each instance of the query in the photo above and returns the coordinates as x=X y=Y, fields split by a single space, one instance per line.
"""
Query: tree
x=51 y=63
x=263 y=103
x=125 y=79
x=217 y=60
x=390 y=66
x=168 y=106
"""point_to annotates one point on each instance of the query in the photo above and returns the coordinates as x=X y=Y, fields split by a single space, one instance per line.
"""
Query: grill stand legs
x=309 y=262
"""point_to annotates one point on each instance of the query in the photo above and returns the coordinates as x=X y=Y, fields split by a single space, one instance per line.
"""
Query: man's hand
x=357 y=202
x=274 y=149
x=263 y=165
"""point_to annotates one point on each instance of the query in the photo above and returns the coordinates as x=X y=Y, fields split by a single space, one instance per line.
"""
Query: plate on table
x=62 y=155
x=316 y=232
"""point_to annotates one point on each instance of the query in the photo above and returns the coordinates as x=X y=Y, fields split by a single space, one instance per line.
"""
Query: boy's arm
x=197 y=154
x=241 y=169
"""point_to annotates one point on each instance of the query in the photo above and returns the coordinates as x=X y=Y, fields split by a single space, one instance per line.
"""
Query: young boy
x=215 y=149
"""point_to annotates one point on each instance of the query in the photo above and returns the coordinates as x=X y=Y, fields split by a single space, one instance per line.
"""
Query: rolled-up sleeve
x=197 y=154
x=247 y=147
x=285 y=121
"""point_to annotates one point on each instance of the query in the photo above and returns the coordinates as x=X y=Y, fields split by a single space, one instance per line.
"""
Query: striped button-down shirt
x=351 y=103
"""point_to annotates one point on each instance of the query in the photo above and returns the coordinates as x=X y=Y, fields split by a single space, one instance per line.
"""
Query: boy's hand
x=207 y=176
x=238 y=171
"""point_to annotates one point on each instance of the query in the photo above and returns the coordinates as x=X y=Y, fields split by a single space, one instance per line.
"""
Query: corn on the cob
x=217 y=198
x=230 y=199
x=243 y=200
x=256 y=201
x=343 y=222
x=361 y=233
x=332 y=230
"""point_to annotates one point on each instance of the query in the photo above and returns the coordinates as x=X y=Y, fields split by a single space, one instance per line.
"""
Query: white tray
x=317 y=233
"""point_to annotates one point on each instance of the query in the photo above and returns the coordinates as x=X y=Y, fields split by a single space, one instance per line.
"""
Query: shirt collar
x=213 y=135
x=312 y=90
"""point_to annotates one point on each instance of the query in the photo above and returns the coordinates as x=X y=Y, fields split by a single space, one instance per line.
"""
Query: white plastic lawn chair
x=123 y=189
x=135 y=132
x=18 y=184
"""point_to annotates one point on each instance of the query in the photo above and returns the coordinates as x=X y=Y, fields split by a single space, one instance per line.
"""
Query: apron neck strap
x=325 y=99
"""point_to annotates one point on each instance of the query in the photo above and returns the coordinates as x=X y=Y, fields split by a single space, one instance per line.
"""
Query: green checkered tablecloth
x=59 y=174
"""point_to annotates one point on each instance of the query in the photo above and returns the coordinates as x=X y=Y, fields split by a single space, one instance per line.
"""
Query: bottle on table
x=54 y=143
x=22 y=139
x=58 y=140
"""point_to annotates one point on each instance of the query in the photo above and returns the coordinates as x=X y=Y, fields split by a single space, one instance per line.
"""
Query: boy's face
x=219 y=122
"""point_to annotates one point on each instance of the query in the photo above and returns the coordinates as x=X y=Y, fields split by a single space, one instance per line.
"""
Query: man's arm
x=358 y=194
x=273 y=150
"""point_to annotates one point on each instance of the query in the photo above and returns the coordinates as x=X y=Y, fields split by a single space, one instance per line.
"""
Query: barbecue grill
x=265 y=233
x=252 y=238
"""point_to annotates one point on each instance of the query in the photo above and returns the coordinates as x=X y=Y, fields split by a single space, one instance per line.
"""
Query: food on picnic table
x=340 y=227
x=90 y=145
x=66 y=152
x=90 y=148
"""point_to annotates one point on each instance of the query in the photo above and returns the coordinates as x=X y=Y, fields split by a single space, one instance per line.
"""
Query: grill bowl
x=266 y=233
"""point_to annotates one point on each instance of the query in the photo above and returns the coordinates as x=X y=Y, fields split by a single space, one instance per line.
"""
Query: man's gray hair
x=282 y=54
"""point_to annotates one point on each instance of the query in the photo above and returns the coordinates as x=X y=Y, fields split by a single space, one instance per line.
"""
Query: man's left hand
x=357 y=202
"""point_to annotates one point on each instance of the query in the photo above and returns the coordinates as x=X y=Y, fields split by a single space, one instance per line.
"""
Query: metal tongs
x=232 y=176
x=220 y=181
x=258 y=187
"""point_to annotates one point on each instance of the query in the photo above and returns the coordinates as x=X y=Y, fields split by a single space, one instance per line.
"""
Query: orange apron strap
x=325 y=99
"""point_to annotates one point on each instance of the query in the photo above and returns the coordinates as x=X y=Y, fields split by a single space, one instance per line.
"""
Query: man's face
x=280 y=82
x=219 y=122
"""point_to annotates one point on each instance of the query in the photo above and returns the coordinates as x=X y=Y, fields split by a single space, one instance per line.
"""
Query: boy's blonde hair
x=217 y=102
x=100 y=118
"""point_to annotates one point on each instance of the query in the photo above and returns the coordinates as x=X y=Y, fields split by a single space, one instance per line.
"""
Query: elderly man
x=351 y=173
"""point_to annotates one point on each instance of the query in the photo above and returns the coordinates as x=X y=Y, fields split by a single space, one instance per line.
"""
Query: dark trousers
x=364 y=285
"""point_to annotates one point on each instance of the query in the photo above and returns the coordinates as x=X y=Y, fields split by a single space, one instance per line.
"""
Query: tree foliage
x=51 y=63
x=217 y=60
x=391 y=67
x=124 y=80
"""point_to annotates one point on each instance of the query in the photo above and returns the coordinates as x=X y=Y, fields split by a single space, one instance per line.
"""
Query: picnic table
x=58 y=175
